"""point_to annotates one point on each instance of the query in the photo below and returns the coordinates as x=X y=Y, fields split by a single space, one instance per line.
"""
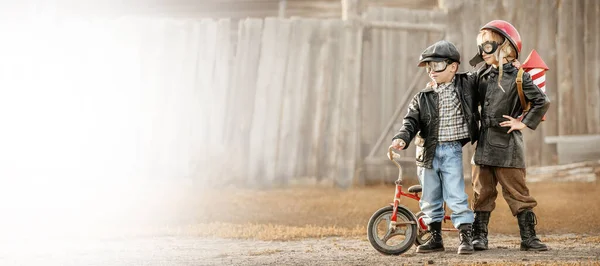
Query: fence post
x=349 y=161
x=282 y=7
x=351 y=9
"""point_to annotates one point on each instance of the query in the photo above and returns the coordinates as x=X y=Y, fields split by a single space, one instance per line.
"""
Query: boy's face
x=441 y=76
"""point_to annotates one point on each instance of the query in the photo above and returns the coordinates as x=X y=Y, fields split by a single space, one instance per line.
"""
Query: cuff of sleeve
x=402 y=139
x=529 y=124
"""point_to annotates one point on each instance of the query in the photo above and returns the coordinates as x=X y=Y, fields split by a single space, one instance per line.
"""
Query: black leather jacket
x=423 y=117
x=495 y=147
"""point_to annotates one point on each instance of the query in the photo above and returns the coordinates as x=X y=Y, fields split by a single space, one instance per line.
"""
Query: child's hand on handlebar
x=398 y=144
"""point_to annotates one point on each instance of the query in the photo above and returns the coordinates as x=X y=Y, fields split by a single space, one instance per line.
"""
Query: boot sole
x=533 y=249
x=431 y=250
x=479 y=245
x=465 y=252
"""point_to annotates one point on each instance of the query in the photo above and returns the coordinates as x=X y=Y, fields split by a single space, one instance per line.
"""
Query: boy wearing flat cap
x=443 y=116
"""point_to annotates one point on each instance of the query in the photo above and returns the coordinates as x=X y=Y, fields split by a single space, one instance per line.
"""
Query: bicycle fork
x=394 y=217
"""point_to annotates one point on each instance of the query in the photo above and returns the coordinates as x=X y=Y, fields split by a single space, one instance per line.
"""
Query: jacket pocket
x=420 y=147
x=497 y=137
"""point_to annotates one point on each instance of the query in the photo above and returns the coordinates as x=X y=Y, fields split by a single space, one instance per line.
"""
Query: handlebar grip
x=391 y=154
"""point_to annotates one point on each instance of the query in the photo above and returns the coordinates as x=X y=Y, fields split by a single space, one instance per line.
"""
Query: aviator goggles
x=488 y=47
x=437 y=66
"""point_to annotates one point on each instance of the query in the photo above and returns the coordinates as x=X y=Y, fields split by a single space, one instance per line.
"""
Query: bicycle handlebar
x=391 y=154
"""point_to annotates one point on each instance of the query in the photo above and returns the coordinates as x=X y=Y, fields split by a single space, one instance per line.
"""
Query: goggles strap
x=501 y=63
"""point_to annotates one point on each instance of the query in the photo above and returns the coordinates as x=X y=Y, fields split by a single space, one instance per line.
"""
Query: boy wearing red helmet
x=499 y=156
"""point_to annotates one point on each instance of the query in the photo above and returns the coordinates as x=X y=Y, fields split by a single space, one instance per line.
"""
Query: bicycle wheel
x=396 y=240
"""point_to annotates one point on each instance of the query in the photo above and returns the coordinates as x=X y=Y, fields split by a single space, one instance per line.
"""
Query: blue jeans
x=445 y=182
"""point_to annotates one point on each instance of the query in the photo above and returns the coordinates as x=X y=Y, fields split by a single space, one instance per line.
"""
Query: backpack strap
x=519 y=81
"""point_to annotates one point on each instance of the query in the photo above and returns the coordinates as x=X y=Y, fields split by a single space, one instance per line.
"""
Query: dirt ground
x=184 y=250
x=293 y=226
x=337 y=251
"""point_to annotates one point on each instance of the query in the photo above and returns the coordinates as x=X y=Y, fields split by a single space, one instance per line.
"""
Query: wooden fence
x=294 y=99
x=288 y=99
x=388 y=68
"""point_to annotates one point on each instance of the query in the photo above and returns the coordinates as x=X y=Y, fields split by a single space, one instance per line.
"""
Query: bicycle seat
x=415 y=189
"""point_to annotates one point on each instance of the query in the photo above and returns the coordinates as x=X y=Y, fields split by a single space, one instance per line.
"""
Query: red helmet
x=508 y=31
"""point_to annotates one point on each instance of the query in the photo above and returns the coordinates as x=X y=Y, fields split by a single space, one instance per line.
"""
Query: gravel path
x=328 y=251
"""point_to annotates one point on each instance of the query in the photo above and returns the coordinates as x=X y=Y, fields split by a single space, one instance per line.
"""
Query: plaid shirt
x=453 y=125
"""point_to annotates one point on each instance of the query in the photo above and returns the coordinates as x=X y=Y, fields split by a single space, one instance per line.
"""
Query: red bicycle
x=393 y=229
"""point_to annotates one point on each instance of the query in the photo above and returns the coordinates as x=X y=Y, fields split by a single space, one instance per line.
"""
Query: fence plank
x=596 y=81
x=221 y=80
x=591 y=59
x=275 y=83
x=547 y=49
x=299 y=91
x=528 y=14
x=577 y=68
x=347 y=148
x=565 y=86
x=242 y=92
x=259 y=146
x=321 y=85
x=306 y=108
x=333 y=117
x=372 y=81
x=387 y=72
x=189 y=107
x=296 y=69
x=368 y=96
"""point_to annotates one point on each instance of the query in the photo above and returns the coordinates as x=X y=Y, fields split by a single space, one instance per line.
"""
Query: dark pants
x=514 y=188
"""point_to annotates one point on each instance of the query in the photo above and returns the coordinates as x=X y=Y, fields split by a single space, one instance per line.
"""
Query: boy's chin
x=439 y=80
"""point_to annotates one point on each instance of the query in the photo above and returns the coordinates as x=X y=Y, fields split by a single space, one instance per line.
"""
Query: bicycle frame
x=415 y=196
x=399 y=193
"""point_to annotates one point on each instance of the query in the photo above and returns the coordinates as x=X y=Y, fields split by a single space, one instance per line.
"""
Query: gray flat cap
x=439 y=51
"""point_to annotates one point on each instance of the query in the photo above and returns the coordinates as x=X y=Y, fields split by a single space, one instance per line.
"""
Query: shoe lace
x=465 y=236
x=478 y=228
x=435 y=234
x=533 y=220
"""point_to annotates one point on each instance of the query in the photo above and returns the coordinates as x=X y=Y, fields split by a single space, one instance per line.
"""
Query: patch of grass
x=559 y=208
x=591 y=240
x=302 y=212
x=265 y=232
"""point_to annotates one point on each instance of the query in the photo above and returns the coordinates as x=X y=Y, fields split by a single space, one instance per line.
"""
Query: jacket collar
x=429 y=88
x=507 y=68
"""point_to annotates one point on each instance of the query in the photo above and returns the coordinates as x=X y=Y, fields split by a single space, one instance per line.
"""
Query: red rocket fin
x=534 y=61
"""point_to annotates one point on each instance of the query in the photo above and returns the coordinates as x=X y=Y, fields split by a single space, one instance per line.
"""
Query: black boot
x=529 y=241
x=465 y=247
x=480 y=230
x=434 y=244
